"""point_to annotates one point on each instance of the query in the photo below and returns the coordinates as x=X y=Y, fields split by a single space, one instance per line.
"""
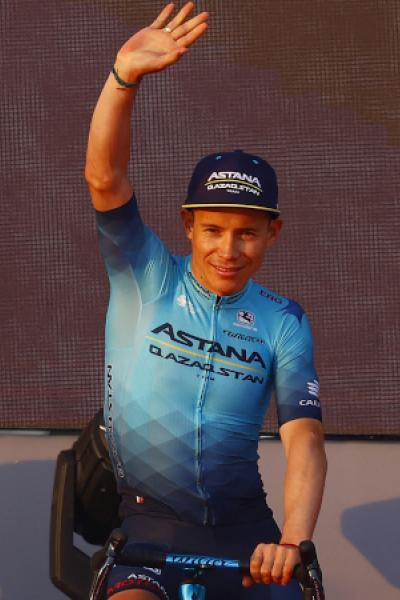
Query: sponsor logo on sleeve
x=313 y=390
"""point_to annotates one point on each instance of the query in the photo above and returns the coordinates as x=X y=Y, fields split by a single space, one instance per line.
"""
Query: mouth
x=226 y=271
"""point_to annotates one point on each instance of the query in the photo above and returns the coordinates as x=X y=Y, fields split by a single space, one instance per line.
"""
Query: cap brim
x=224 y=205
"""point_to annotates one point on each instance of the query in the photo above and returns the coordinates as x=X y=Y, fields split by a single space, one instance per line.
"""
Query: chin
x=228 y=289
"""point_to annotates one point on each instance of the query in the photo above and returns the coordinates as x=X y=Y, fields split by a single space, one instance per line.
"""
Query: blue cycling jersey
x=189 y=375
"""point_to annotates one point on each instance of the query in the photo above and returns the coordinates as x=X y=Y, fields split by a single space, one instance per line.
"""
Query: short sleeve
x=295 y=379
x=131 y=250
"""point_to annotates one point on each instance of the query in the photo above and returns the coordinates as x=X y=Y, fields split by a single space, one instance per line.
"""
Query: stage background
x=311 y=85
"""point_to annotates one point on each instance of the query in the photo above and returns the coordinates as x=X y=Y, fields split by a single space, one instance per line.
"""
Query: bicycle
x=308 y=573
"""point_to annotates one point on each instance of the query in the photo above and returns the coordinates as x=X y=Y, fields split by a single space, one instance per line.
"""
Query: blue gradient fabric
x=189 y=375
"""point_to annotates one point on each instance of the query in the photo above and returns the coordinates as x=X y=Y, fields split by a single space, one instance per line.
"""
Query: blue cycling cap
x=233 y=179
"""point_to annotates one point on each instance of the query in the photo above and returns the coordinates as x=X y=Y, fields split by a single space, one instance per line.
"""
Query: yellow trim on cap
x=219 y=205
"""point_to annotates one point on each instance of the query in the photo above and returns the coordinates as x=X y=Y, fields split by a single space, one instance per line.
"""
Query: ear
x=275 y=227
x=187 y=217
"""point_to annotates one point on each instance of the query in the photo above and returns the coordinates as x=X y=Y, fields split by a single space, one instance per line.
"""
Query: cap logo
x=234 y=182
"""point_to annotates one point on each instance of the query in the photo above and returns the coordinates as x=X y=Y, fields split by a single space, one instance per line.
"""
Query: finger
x=256 y=561
x=188 y=39
x=262 y=561
x=189 y=25
x=286 y=574
x=266 y=567
x=292 y=559
x=181 y=16
x=277 y=567
x=163 y=17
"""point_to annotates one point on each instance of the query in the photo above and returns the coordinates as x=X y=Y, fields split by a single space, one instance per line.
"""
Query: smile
x=227 y=271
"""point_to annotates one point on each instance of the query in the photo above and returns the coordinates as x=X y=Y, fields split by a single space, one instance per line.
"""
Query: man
x=193 y=349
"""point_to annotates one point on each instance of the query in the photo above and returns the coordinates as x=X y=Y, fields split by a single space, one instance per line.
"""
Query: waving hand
x=161 y=44
x=152 y=49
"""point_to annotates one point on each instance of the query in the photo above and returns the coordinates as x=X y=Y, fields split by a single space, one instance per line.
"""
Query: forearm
x=304 y=485
x=150 y=50
x=109 y=145
x=303 y=441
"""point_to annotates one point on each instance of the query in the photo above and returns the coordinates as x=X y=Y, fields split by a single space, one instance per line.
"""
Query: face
x=228 y=245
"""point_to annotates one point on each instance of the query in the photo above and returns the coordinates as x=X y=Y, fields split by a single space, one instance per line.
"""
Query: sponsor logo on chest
x=246 y=319
x=185 y=348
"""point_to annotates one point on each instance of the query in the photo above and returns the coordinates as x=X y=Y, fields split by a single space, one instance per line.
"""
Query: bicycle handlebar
x=308 y=573
x=152 y=556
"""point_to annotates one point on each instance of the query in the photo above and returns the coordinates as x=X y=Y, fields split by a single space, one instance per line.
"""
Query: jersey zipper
x=199 y=415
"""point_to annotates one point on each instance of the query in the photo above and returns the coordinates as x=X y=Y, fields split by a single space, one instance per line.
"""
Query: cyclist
x=194 y=348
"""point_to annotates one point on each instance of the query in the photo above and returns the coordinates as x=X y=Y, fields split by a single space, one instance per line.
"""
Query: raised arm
x=152 y=49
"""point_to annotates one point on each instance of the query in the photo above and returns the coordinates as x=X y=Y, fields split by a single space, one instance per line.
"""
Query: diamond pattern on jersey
x=156 y=449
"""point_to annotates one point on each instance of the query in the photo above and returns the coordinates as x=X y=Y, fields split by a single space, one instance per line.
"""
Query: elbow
x=101 y=175
x=100 y=182
x=107 y=191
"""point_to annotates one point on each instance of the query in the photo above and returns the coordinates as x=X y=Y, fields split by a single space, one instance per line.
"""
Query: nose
x=229 y=247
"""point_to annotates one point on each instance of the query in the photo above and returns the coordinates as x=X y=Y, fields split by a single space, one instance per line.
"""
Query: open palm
x=163 y=43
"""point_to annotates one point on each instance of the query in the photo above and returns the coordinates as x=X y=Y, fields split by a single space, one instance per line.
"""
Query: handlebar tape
x=156 y=557
x=142 y=555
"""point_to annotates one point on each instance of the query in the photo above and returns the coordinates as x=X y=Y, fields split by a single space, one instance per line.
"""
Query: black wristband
x=125 y=84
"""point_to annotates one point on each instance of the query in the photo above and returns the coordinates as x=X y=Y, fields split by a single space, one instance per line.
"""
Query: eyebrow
x=211 y=224
x=239 y=229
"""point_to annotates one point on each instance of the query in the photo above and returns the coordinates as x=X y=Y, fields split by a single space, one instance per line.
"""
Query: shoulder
x=280 y=306
x=182 y=262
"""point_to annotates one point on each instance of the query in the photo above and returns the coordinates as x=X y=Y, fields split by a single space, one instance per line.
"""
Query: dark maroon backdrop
x=311 y=85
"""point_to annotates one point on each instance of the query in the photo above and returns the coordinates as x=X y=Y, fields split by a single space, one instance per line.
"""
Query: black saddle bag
x=85 y=501
x=96 y=498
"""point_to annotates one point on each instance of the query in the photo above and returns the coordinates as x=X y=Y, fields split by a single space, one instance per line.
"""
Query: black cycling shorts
x=230 y=541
